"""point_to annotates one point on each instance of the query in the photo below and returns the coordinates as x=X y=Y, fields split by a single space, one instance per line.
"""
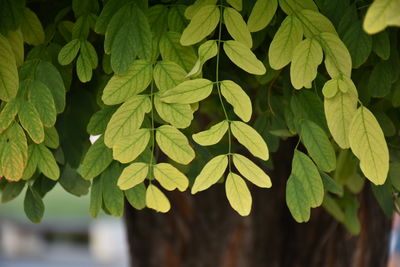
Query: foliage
x=148 y=76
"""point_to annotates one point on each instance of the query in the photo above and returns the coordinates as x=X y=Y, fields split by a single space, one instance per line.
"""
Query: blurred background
x=67 y=236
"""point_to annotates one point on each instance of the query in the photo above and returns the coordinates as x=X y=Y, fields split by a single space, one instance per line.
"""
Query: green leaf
x=113 y=197
x=33 y=205
x=156 y=200
x=89 y=51
x=174 y=144
x=238 y=98
x=171 y=49
x=237 y=4
x=318 y=146
x=84 y=68
x=289 y=34
x=250 y=139
x=99 y=120
x=201 y=25
x=331 y=185
x=176 y=18
x=129 y=147
x=379 y=83
x=31 y=163
x=297 y=199
x=381 y=45
x=340 y=110
x=178 y=115
x=210 y=174
x=109 y=9
x=121 y=87
x=96 y=196
x=133 y=175
x=337 y=57
x=69 y=51
x=168 y=74
x=359 y=44
x=307 y=173
x=72 y=182
x=11 y=191
x=291 y=6
x=333 y=208
x=127 y=119
x=41 y=97
x=207 y=50
x=31 y=28
x=11 y=14
x=8 y=114
x=380 y=14
x=243 y=57
x=30 y=120
x=307 y=56
x=49 y=75
x=236 y=27
x=136 y=196
x=213 y=135
x=314 y=23
x=369 y=145
x=261 y=14
x=8 y=71
x=238 y=194
x=46 y=162
x=170 y=177
x=96 y=160
x=188 y=92
x=251 y=171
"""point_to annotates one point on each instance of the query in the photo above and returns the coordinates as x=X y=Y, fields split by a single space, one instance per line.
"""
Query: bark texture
x=203 y=230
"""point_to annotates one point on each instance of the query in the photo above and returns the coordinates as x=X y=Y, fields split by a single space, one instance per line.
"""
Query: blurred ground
x=67 y=236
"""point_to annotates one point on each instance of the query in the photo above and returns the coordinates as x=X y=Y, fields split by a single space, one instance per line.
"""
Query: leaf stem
x=217 y=82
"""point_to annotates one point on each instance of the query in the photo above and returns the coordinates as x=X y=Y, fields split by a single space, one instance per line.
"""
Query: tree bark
x=203 y=230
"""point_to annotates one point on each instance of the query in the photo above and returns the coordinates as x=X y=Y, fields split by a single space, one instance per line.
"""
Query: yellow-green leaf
x=8 y=71
x=174 y=144
x=380 y=14
x=318 y=145
x=238 y=98
x=31 y=28
x=307 y=173
x=340 y=110
x=156 y=200
x=250 y=139
x=210 y=174
x=297 y=199
x=168 y=74
x=178 y=115
x=213 y=135
x=51 y=138
x=128 y=148
x=196 y=6
x=8 y=113
x=206 y=51
x=46 y=162
x=170 y=177
x=121 y=87
x=289 y=34
x=84 y=68
x=291 y=6
x=127 y=119
x=251 y=171
x=369 y=145
x=236 y=27
x=237 y=4
x=307 y=56
x=261 y=14
x=17 y=45
x=133 y=175
x=201 y=25
x=238 y=194
x=30 y=120
x=243 y=57
x=188 y=92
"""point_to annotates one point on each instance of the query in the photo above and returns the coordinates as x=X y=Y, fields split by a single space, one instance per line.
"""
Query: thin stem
x=219 y=89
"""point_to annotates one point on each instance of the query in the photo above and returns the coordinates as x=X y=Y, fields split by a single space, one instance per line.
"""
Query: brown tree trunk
x=203 y=230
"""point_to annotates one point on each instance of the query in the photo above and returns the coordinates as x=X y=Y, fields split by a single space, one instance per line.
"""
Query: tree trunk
x=203 y=230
